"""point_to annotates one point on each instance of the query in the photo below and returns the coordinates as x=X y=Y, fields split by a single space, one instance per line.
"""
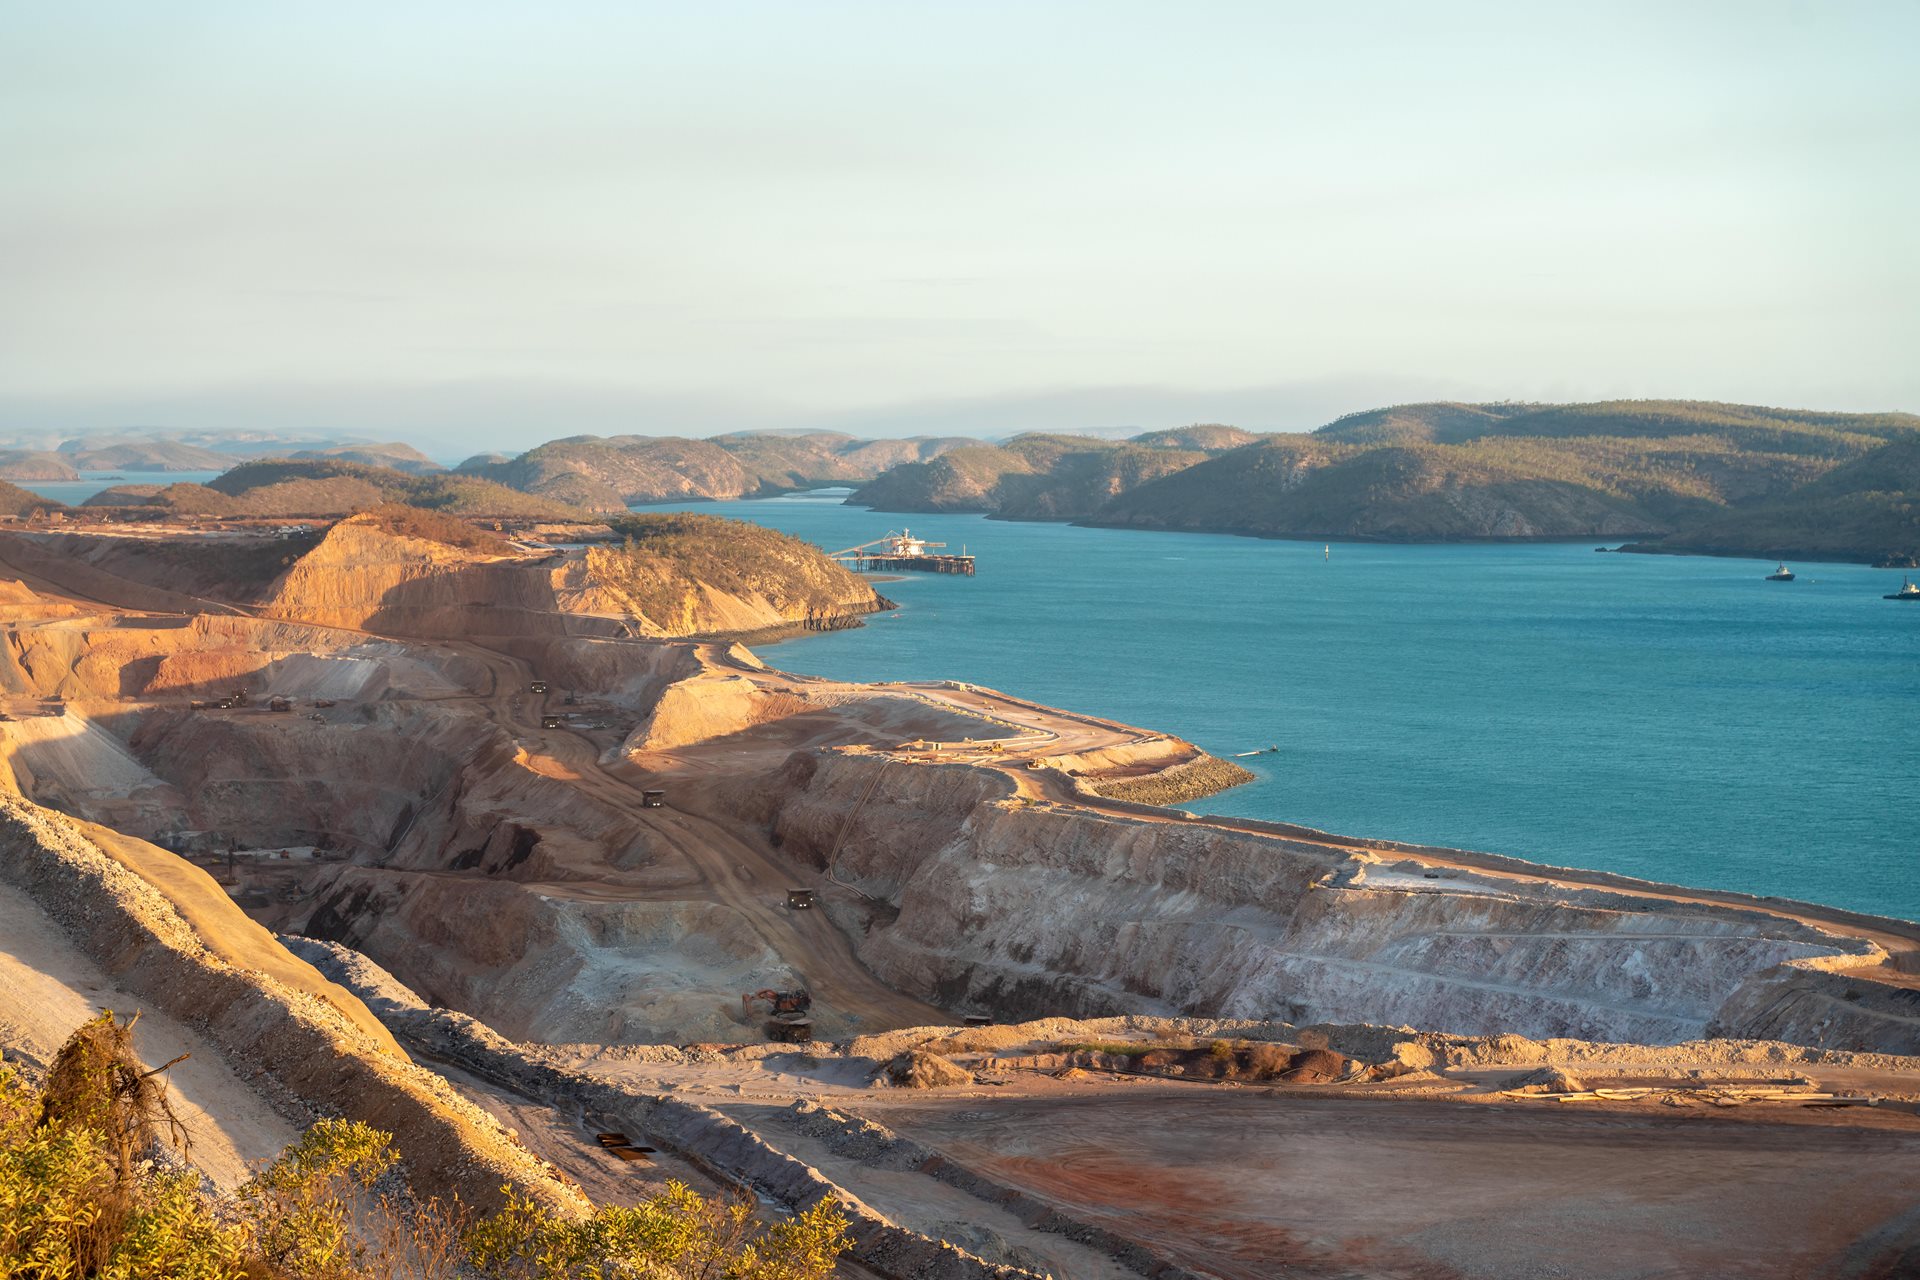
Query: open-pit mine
x=510 y=840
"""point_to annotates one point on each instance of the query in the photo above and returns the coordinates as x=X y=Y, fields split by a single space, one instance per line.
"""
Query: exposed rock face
x=1028 y=911
x=299 y=1036
x=363 y=577
x=157 y=657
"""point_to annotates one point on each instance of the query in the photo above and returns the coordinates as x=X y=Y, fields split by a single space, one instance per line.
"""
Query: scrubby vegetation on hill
x=663 y=562
x=93 y=1187
x=143 y=455
x=1204 y=437
x=1732 y=477
x=606 y=474
x=1791 y=431
x=181 y=499
x=31 y=464
x=782 y=461
x=403 y=521
x=1695 y=474
x=610 y=473
x=1867 y=509
x=1030 y=477
x=1400 y=492
x=401 y=457
x=15 y=501
x=322 y=487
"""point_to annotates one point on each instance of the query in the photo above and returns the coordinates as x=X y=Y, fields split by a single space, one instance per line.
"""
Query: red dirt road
x=1250 y=1186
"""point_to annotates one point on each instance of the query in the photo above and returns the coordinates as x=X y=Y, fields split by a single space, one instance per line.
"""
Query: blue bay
x=1675 y=718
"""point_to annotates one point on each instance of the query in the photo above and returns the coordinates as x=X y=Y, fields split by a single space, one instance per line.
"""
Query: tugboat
x=1782 y=574
x=1908 y=591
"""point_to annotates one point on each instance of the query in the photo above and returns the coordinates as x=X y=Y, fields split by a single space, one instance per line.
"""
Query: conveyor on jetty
x=902 y=552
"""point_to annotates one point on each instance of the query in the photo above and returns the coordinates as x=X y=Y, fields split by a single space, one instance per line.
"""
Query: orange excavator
x=788 y=1021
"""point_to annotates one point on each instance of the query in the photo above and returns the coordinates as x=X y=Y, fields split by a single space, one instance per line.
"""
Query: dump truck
x=787 y=1022
x=538 y=686
x=653 y=799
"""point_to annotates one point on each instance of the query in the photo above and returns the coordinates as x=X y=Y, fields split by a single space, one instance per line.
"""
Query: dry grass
x=99 y=1083
x=404 y=521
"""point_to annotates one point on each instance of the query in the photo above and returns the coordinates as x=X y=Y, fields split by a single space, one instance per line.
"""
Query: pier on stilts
x=903 y=553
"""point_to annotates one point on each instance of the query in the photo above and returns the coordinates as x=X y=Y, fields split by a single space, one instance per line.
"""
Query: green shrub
x=80 y=1200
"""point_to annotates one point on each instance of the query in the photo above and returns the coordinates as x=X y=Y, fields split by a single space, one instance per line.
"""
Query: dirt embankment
x=717 y=1143
x=305 y=1054
x=1024 y=910
x=48 y=987
x=707 y=706
x=181 y=657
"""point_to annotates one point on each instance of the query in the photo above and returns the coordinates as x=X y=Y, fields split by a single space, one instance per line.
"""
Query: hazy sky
x=502 y=223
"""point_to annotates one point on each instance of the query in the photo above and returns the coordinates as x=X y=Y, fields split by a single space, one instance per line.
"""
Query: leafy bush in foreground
x=85 y=1196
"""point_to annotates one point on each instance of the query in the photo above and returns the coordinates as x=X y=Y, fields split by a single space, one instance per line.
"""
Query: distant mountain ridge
x=331 y=487
x=1681 y=474
x=611 y=473
x=1030 y=477
x=1667 y=474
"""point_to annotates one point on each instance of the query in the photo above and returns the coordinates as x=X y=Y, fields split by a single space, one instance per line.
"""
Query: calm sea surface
x=75 y=492
x=1669 y=717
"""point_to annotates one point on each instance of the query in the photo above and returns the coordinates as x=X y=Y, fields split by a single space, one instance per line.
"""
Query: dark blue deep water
x=1670 y=717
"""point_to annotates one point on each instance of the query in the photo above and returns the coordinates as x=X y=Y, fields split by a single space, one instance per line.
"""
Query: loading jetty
x=902 y=552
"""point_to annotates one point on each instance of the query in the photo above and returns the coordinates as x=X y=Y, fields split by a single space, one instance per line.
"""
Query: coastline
x=1205 y=774
x=1827 y=556
x=1872 y=559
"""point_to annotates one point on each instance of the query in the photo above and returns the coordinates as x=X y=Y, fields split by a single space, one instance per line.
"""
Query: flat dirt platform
x=1250 y=1186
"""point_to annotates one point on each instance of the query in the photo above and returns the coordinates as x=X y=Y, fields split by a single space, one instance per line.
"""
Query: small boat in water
x=1782 y=574
x=1908 y=591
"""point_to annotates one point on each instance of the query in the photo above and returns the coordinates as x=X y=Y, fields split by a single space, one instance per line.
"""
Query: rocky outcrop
x=1025 y=910
x=361 y=576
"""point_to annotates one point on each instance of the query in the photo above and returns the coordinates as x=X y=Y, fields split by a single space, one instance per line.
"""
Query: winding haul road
x=750 y=878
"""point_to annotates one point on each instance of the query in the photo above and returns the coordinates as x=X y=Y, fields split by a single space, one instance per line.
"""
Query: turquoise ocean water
x=1670 y=717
